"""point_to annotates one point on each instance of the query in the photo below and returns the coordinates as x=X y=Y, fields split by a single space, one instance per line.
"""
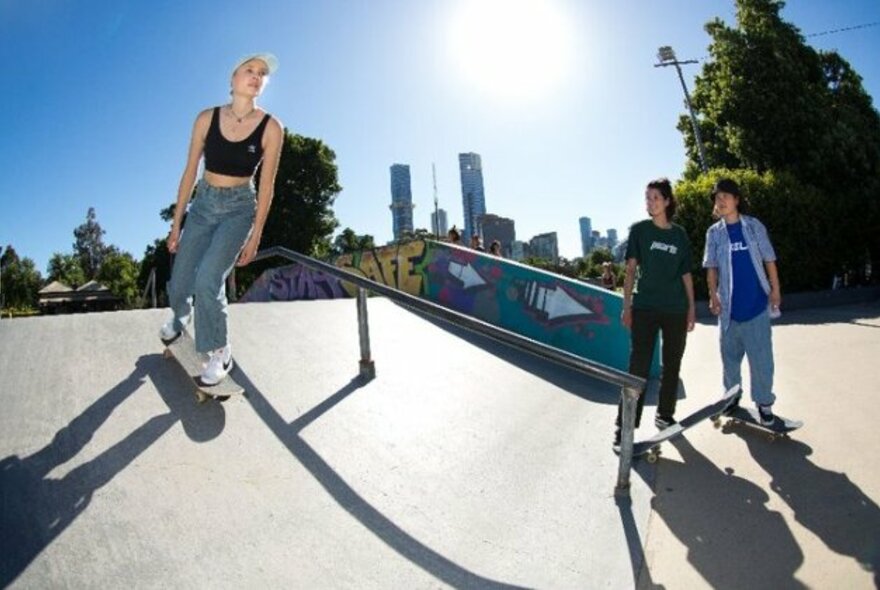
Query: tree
x=785 y=205
x=301 y=217
x=67 y=269
x=89 y=245
x=768 y=102
x=119 y=273
x=348 y=242
x=19 y=280
x=158 y=258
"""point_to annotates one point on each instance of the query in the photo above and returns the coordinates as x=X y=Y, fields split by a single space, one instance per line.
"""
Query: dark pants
x=646 y=324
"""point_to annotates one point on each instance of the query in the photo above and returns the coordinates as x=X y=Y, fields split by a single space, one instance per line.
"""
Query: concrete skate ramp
x=464 y=463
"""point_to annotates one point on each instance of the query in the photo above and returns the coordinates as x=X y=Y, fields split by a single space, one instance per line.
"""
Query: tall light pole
x=666 y=55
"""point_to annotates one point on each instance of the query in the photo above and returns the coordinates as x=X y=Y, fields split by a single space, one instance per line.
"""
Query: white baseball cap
x=270 y=60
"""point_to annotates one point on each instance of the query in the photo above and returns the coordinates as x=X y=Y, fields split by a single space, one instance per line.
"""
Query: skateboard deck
x=780 y=427
x=183 y=350
x=651 y=446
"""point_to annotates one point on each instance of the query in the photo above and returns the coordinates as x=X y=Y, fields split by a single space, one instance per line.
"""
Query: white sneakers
x=219 y=365
x=167 y=332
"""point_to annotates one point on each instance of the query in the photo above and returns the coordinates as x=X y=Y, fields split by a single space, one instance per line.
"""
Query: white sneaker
x=167 y=332
x=219 y=365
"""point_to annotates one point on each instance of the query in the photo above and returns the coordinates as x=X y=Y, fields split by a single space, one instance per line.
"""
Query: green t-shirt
x=663 y=256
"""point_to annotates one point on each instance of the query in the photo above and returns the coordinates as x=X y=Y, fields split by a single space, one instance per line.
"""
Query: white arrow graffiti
x=555 y=302
x=466 y=274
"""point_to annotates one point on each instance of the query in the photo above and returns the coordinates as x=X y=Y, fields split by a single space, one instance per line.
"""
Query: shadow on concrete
x=380 y=525
x=732 y=539
x=859 y=314
x=37 y=508
x=634 y=543
x=827 y=503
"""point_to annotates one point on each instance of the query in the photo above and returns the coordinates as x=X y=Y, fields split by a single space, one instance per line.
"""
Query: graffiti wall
x=565 y=313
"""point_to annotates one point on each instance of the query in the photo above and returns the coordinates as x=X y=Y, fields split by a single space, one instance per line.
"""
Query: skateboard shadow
x=826 y=502
x=345 y=495
x=733 y=540
x=37 y=508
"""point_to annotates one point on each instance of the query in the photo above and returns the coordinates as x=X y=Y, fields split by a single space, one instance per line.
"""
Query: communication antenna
x=436 y=208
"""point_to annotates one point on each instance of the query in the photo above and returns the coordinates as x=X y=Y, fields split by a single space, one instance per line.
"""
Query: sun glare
x=511 y=50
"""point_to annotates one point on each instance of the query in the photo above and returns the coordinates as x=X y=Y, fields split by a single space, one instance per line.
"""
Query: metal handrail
x=563 y=357
x=630 y=385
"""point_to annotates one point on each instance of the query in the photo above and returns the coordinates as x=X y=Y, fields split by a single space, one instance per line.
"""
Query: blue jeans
x=753 y=339
x=217 y=224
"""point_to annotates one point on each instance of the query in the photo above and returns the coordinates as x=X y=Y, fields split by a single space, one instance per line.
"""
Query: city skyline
x=560 y=97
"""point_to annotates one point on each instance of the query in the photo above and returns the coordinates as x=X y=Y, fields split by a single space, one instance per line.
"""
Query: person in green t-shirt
x=658 y=297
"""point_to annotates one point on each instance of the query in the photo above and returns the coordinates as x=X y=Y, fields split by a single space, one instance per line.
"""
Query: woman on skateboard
x=225 y=220
x=744 y=293
x=658 y=297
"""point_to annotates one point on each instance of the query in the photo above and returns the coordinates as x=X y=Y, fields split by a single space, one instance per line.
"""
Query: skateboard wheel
x=716 y=421
x=651 y=457
x=201 y=397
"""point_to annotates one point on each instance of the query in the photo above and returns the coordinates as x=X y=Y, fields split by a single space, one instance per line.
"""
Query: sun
x=511 y=50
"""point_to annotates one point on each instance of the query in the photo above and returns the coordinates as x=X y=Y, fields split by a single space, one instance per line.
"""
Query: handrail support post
x=366 y=365
x=629 y=396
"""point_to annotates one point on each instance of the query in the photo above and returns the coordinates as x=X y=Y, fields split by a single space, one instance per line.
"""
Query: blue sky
x=567 y=110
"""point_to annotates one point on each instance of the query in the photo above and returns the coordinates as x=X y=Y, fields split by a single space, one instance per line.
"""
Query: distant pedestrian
x=495 y=248
x=608 y=278
x=476 y=243
x=454 y=236
x=744 y=292
x=658 y=297
x=225 y=221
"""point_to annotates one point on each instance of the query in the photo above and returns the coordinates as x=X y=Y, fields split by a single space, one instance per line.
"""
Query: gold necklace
x=241 y=118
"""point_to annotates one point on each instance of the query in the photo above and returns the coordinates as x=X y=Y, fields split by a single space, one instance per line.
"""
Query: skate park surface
x=462 y=464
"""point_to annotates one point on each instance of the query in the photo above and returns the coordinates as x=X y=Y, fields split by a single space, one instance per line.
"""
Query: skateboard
x=779 y=429
x=651 y=447
x=183 y=350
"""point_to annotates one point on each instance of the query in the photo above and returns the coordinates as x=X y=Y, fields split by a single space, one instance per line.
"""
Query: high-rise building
x=439 y=224
x=612 y=238
x=495 y=227
x=545 y=246
x=473 y=198
x=401 y=200
x=586 y=235
x=519 y=250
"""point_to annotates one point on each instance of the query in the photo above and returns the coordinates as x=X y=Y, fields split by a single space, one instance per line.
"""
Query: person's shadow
x=732 y=539
x=826 y=502
x=37 y=508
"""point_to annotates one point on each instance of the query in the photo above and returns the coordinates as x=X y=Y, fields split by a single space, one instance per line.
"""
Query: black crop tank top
x=233 y=158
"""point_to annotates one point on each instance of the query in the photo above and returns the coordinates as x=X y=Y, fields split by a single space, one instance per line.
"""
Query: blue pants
x=217 y=224
x=753 y=339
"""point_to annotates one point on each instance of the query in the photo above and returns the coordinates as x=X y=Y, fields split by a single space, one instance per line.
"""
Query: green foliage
x=157 y=257
x=119 y=273
x=349 y=242
x=791 y=211
x=768 y=102
x=301 y=217
x=89 y=245
x=19 y=281
x=67 y=269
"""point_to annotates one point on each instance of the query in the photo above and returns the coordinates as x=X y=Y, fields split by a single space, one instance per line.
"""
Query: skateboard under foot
x=780 y=428
x=651 y=447
x=183 y=350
